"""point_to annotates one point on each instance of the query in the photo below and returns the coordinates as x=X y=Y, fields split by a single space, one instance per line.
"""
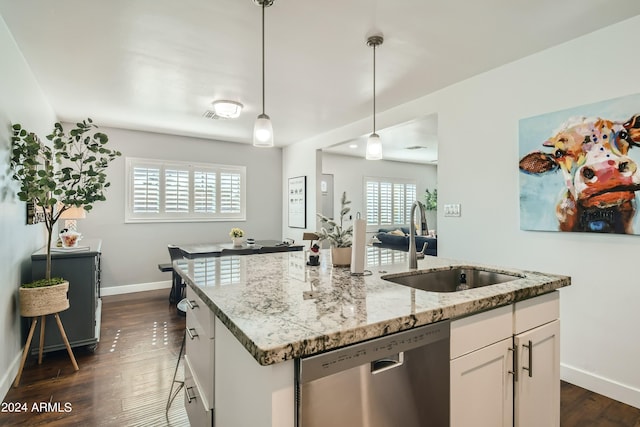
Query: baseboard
x=138 y=287
x=7 y=379
x=621 y=392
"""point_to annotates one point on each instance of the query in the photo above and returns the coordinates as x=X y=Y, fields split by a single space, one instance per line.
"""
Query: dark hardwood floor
x=126 y=381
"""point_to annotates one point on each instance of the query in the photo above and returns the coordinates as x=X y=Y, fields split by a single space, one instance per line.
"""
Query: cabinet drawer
x=479 y=330
x=531 y=313
x=201 y=312
x=198 y=414
x=199 y=352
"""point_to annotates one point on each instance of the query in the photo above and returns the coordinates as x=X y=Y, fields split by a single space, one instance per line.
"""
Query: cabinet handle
x=193 y=334
x=189 y=396
x=192 y=304
x=514 y=372
x=530 y=368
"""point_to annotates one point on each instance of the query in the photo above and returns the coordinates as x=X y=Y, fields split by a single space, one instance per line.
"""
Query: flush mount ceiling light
x=224 y=109
x=263 y=130
x=374 y=145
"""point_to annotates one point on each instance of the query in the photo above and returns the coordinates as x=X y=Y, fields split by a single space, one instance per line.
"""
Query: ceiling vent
x=416 y=147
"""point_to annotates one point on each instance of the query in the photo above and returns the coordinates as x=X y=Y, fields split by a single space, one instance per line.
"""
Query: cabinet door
x=482 y=387
x=537 y=389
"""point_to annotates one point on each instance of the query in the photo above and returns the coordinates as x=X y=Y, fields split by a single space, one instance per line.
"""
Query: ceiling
x=156 y=65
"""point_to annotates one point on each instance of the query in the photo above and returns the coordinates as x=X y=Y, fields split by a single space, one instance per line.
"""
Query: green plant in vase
x=67 y=171
x=339 y=236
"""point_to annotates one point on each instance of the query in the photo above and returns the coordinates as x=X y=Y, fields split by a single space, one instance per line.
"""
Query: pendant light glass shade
x=263 y=132
x=374 y=147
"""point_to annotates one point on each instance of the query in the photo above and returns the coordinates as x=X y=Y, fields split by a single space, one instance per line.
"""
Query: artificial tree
x=68 y=171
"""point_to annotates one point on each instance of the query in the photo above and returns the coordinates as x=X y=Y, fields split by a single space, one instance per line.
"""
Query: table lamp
x=70 y=216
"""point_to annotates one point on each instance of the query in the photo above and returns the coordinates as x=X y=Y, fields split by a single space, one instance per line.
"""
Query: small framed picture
x=297 y=202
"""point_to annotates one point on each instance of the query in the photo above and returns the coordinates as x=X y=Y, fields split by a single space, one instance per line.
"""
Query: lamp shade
x=374 y=147
x=74 y=212
x=263 y=132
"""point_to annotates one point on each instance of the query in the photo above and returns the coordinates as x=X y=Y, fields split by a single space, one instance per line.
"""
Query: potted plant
x=338 y=236
x=431 y=199
x=236 y=235
x=68 y=171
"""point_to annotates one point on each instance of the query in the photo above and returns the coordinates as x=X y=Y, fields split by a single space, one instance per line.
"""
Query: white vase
x=237 y=242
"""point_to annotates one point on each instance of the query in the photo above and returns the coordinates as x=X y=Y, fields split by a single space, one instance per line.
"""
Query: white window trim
x=392 y=181
x=191 y=216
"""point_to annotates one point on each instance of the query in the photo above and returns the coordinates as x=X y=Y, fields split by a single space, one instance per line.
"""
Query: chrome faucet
x=413 y=256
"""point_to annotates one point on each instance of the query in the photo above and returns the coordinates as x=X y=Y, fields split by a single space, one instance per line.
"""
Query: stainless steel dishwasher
x=400 y=380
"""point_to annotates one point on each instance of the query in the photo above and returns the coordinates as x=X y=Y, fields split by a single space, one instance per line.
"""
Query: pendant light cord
x=263 y=6
x=374 y=88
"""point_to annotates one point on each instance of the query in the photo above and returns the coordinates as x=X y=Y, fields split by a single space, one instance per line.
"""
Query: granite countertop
x=279 y=308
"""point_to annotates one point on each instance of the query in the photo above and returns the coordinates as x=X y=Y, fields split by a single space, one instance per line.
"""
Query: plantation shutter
x=176 y=190
x=373 y=201
x=160 y=191
x=204 y=192
x=388 y=202
x=146 y=190
x=230 y=192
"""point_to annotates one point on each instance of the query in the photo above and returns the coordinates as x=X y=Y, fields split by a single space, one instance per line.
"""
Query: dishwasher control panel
x=324 y=364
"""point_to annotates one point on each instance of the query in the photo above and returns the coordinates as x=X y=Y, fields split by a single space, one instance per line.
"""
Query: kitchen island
x=274 y=309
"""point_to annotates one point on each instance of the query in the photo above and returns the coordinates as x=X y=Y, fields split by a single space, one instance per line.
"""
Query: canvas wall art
x=579 y=168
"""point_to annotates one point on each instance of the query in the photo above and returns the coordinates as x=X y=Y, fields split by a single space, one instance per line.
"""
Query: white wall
x=131 y=252
x=478 y=168
x=297 y=161
x=349 y=173
x=22 y=102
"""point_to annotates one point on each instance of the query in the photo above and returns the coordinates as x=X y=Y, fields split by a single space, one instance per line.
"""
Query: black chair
x=227 y=252
x=178 y=285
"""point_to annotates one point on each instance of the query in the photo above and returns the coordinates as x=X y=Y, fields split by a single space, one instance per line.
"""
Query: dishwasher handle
x=387 y=363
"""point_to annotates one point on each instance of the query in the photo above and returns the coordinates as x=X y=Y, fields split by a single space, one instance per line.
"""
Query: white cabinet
x=505 y=366
x=537 y=343
x=199 y=358
x=482 y=388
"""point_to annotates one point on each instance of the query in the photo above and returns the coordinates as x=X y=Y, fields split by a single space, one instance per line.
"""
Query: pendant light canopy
x=374 y=145
x=263 y=130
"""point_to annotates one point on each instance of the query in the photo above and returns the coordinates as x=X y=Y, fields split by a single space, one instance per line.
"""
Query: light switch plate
x=452 y=209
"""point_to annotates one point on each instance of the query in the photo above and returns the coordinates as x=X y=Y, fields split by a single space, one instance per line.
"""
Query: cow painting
x=600 y=179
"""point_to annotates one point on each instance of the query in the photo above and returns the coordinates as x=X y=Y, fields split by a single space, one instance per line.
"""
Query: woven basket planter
x=44 y=300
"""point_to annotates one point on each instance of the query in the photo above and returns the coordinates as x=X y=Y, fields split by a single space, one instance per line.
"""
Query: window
x=160 y=191
x=388 y=201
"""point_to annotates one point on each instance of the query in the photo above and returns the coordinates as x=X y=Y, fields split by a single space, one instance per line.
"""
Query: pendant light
x=263 y=130
x=374 y=145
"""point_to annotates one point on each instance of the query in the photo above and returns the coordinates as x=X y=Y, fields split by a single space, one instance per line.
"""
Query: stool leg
x=66 y=342
x=173 y=395
x=42 y=323
x=26 y=351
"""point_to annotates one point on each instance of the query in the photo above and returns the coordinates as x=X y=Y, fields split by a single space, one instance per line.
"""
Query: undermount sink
x=454 y=280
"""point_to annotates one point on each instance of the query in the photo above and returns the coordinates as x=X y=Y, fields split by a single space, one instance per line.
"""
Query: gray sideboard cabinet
x=81 y=267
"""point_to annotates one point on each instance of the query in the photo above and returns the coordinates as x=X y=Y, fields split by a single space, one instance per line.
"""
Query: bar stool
x=182 y=308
